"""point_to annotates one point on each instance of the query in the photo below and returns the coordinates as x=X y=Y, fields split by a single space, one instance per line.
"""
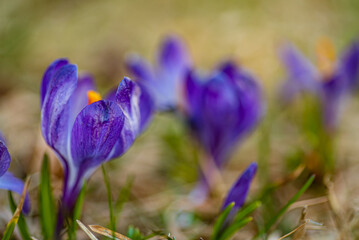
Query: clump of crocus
x=324 y=89
x=7 y=180
x=164 y=80
x=233 y=203
x=85 y=131
x=329 y=82
x=221 y=110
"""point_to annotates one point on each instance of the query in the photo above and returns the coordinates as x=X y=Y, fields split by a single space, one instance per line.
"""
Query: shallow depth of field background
x=97 y=36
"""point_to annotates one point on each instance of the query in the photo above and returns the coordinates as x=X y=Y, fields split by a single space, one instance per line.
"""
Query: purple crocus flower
x=7 y=180
x=330 y=82
x=85 y=131
x=222 y=109
x=164 y=80
x=239 y=191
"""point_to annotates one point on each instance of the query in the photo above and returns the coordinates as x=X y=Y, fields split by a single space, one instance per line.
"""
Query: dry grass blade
x=22 y=200
x=108 y=233
x=15 y=218
x=300 y=230
x=85 y=229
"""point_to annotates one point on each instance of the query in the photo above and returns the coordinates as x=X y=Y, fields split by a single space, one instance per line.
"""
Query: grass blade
x=109 y=198
x=46 y=201
x=220 y=220
x=235 y=227
x=273 y=220
x=15 y=218
x=24 y=230
x=77 y=212
x=246 y=211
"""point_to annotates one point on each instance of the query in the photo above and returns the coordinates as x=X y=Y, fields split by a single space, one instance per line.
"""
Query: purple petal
x=349 y=65
x=192 y=94
x=111 y=95
x=334 y=92
x=239 y=191
x=136 y=103
x=49 y=73
x=302 y=76
x=137 y=107
x=94 y=134
x=79 y=98
x=54 y=112
x=5 y=158
x=139 y=68
x=173 y=56
x=11 y=183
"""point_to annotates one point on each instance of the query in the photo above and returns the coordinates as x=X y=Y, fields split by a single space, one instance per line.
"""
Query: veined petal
x=239 y=191
x=79 y=98
x=49 y=73
x=302 y=76
x=349 y=65
x=136 y=104
x=94 y=134
x=54 y=112
x=138 y=107
x=5 y=158
x=11 y=183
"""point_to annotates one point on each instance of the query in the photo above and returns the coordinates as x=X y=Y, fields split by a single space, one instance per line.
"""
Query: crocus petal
x=11 y=183
x=54 y=113
x=349 y=65
x=137 y=106
x=302 y=76
x=173 y=64
x=49 y=73
x=239 y=191
x=111 y=95
x=140 y=68
x=334 y=93
x=219 y=116
x=79 y=98
x=192 y=92
x=135 y=102
x=5 y=158
x=173 y=56
x=94 y=134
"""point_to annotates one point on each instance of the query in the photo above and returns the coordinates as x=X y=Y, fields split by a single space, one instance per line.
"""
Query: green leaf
x=77 y=212
x=274 y=219
x=233 y=228
x=123 y=196
x=220 y=220
x=24 y=231
x=46 y=201
x=9 y=230
x=109 y=198
x=242 y=213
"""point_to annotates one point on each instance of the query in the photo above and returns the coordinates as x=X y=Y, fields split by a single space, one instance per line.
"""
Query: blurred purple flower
x=83 y=130
x=331 y=82
x=7 y=180
x=164 y=80
x=222 y=109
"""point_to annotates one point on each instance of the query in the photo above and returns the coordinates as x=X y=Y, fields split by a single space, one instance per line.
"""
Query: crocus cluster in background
x=220 y=108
